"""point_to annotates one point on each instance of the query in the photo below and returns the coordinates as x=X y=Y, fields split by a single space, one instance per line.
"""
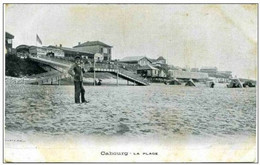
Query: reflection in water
x=128 y=110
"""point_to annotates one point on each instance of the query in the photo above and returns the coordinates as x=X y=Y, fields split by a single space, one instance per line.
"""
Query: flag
x=38 y=39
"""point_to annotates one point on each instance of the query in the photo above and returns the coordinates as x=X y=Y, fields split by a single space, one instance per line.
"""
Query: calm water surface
x=156 y=110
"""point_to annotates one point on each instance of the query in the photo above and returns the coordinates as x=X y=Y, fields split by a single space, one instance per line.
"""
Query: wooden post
x=94 y=72
x=117 y=75
x=58 y=81
x=127 y=82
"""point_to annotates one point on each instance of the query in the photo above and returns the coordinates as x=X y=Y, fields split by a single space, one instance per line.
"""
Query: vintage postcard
x=130 y=82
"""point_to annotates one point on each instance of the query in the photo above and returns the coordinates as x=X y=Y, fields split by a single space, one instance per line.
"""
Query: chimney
x=60 y=45
x=79 y=43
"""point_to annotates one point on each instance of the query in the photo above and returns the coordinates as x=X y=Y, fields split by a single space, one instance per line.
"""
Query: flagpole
x=36 y=46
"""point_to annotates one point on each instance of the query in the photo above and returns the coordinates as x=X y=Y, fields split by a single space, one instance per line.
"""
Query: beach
x=162 y=115
x=131 y=110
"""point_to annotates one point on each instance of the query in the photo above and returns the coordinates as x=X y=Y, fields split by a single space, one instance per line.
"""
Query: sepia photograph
x=130 y=83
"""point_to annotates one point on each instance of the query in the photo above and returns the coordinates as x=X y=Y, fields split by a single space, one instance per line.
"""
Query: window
x=101 y=50
x=9 y=41
x=104 y=50
x=109 y=51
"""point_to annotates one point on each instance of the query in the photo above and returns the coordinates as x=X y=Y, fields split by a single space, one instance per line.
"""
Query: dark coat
x=76 y=72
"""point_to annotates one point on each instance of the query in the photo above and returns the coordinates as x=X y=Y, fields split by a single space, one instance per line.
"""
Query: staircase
x=122 y=73
x=63 y=65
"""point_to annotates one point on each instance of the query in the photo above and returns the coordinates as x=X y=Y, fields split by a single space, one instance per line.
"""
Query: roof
x=71 y=50
x=22 y=47
x=225 y=72
x=92 y=43
x=74 y=50
x=161 y=58
x=8 y=35
x=133 y=58
x=33 y=46
x=147 y=67
x=214 y=68
x=152 y=60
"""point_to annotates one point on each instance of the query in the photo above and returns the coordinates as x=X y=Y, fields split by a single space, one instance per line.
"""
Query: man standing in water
x=77 y=71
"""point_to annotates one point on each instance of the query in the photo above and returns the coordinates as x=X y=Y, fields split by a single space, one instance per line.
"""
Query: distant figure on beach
x=99 y=82
x=212 y=85
x=77 y=71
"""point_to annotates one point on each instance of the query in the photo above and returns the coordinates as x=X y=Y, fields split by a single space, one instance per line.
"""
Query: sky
x=186 y=35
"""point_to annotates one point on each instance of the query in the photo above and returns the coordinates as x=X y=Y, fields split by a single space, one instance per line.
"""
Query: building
x=219 y=76
x=160 y=60
x=23 y=51
x=223 y=76
x=194 y=69
x=187 y=75
x=162 y=74
x=71 y=53
x=210 y=70
x=99 y=57
x=8 y=43
x=44 y=51
x=95 y=47
x=140 y=60
x=148 y=71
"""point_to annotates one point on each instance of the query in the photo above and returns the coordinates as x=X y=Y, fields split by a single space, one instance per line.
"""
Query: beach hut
x=174 y=82
x=249 y=84
x=210 y=83
x=235 y=83
x=148 y=71
x=190 y=83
